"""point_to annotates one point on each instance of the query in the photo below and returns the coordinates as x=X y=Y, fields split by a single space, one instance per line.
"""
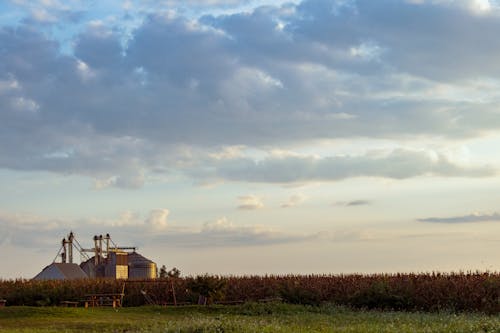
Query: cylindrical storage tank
x=89 y=268
x=140 y=267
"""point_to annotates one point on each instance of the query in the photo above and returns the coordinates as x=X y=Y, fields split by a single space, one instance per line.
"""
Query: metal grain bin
x=116 y=266
x=140 y=267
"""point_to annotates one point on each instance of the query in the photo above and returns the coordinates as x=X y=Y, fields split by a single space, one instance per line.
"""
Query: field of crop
x=456 y=292
x=250 y=317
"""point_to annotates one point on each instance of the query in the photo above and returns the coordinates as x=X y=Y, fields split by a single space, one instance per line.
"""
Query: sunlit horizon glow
x=252 y=137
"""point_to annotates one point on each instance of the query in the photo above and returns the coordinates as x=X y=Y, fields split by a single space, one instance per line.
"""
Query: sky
x=252 y=137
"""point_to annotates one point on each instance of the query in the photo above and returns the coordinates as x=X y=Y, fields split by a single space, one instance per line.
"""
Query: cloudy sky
x=252 y=137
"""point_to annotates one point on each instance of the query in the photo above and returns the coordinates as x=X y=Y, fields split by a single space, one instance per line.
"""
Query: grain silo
x=140 y=267
x=89 y=267
x=116 y=265
x=109 y=261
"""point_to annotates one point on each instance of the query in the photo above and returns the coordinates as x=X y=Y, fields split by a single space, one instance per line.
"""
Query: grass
x=241 y=318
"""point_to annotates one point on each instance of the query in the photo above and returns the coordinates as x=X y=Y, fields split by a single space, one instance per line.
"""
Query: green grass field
x=241 y=318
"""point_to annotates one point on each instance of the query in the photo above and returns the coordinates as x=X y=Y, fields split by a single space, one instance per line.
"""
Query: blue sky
x=252 y=137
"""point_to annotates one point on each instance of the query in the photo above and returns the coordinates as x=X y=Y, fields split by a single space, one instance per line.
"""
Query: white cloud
x=127 y=218
x=39 y=232
x=227 y=153
x=342 y=115
x=294 y=200
x=128 y=179
x=220 y=224
x=224 y=233
x=158 y=219
x=85 y=72
x=42 y=15
x=29 y=230
x=23 y=104
x=269 y=80
x=480 y=6
x=366 y=51
x=250 y=202
x=29 y=221
x=9 y=83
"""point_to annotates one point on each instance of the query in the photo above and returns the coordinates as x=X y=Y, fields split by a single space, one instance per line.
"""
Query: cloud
x=395 y=164
x=130 y=229
x=472 y=218
x=294 y=200
x=407 y=46
x=128 y=95
x=223 y=233
x=29 y=230
x=37 y=232
x=133 y=179
x=353 y=203
x=250 y=202
x=358 y=203
x=48 y=14
x=158 y=219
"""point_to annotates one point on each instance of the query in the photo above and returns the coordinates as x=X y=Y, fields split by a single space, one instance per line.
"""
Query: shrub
x=378 y=296
x=422 y=292
x=209 y=288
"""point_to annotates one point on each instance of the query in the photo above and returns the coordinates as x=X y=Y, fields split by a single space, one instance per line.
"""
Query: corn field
x=459 y=292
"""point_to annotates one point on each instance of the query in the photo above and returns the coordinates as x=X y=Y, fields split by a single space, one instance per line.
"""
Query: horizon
x=253 y=137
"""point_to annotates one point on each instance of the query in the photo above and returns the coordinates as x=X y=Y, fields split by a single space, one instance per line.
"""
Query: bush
x=294 y=293
x=379 y=296
x=209 y=288
x=479 y=292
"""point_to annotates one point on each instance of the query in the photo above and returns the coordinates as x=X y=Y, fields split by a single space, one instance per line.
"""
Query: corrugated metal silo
x=140 y=267
x=89 y=268
x=116 y=266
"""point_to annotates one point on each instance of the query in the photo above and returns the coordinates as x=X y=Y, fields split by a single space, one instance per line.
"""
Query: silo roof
x=61 y=271
x=71 y=271
x=136 y=258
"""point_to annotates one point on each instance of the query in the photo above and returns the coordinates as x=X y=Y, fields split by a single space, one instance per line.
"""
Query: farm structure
x=61 y=271
x=108 y=261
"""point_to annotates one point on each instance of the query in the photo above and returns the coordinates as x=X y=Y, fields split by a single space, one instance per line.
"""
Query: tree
x=209 y=288
x=174 y=273
x=163 y=272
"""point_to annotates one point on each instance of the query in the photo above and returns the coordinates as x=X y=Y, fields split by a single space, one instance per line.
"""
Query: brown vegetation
x=412 y=292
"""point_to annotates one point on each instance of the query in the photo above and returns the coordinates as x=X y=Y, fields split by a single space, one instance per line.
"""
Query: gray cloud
x=41 y=232
x=37 y=232
x=437 y=40
x=397 y=164
x=277 y=75
x=472 y=218
x=222 y=233
x=358 y=203
x=30 y=231
x=353 y=203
